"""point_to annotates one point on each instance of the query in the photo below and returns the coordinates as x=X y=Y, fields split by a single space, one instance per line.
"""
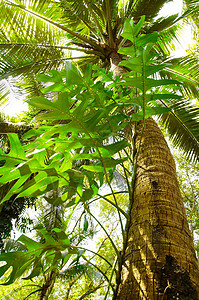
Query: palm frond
x=182 y=124
x=54 y=215
x=193 y=7
x=15 y=71
x=190 y=65
x=109 y=15
x=31 y=86
x=52 y=22
x=162 y=23
x=10 y=88
x=18 y=25
x=79 y=269
x=149 y=8
x=166 y=40
x=18 y=58
x=187 y=71
x=81 y=17
x=4 y=92
x=28 y=44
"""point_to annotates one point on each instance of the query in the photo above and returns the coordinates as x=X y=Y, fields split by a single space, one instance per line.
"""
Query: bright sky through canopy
x=171 y=8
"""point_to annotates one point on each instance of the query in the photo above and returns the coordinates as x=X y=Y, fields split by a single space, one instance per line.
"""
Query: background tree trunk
x=48 y=285
x=8 y=127
x=159 y=261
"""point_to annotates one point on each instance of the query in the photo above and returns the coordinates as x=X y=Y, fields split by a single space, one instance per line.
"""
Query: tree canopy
x=91 y=126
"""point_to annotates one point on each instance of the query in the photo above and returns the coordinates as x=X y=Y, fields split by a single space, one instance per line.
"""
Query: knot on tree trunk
x=175 y=282
x=115 y=59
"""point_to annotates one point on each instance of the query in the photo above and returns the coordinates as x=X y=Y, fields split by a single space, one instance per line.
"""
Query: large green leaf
x=130 y=31
x=145 y=84
x=85 y=137
x=92 y=117
x=33 y=259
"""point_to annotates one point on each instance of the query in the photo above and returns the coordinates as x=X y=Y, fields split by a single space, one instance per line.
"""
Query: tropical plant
x=95 y=117
x=37 y=35
x=155 y=203
x=14 y=208
x=94 y=29
x=65 y=268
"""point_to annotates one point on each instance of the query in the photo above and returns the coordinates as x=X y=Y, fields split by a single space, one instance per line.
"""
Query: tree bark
x=8 y=127
x=159 y=260
x=48 y=285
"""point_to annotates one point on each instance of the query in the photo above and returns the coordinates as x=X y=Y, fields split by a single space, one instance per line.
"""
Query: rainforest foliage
x=78 y=162
x=76 y=149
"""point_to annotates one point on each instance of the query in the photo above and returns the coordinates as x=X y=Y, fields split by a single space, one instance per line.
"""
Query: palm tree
x=34 y=37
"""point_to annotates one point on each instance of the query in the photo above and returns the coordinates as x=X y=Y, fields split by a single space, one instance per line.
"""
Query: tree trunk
x=48 y=285
x=159 y=260
x=8 y=127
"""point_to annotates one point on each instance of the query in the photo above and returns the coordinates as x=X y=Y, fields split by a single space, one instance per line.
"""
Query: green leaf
x=34 y=132
x=66 y=165
x=93 y=168
x=56 y=87
x=15 y=187
x=150 y=111
x=85 y=223
x=42 y=103
x=49 y=240
x=72 y=74
x=147 y=83
x=130 y=51
x=168 y=96
x=87 y=195
x=156 y=111
x=36 y=271
x=80 y=109
x=19 y=261
x=63 y=102
x=39 y=185
x=54 y=76
x=150 y=98
x=16 y=149
x=106 y=164
x=55 y=115
x=134 y=66
x=21 y=170
x=143 y=40
x=35 y=256
x=138 y=26
x=93 y=119
x=130 y=31
x=110 y=150
x=29 y=243
x=71 y=202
